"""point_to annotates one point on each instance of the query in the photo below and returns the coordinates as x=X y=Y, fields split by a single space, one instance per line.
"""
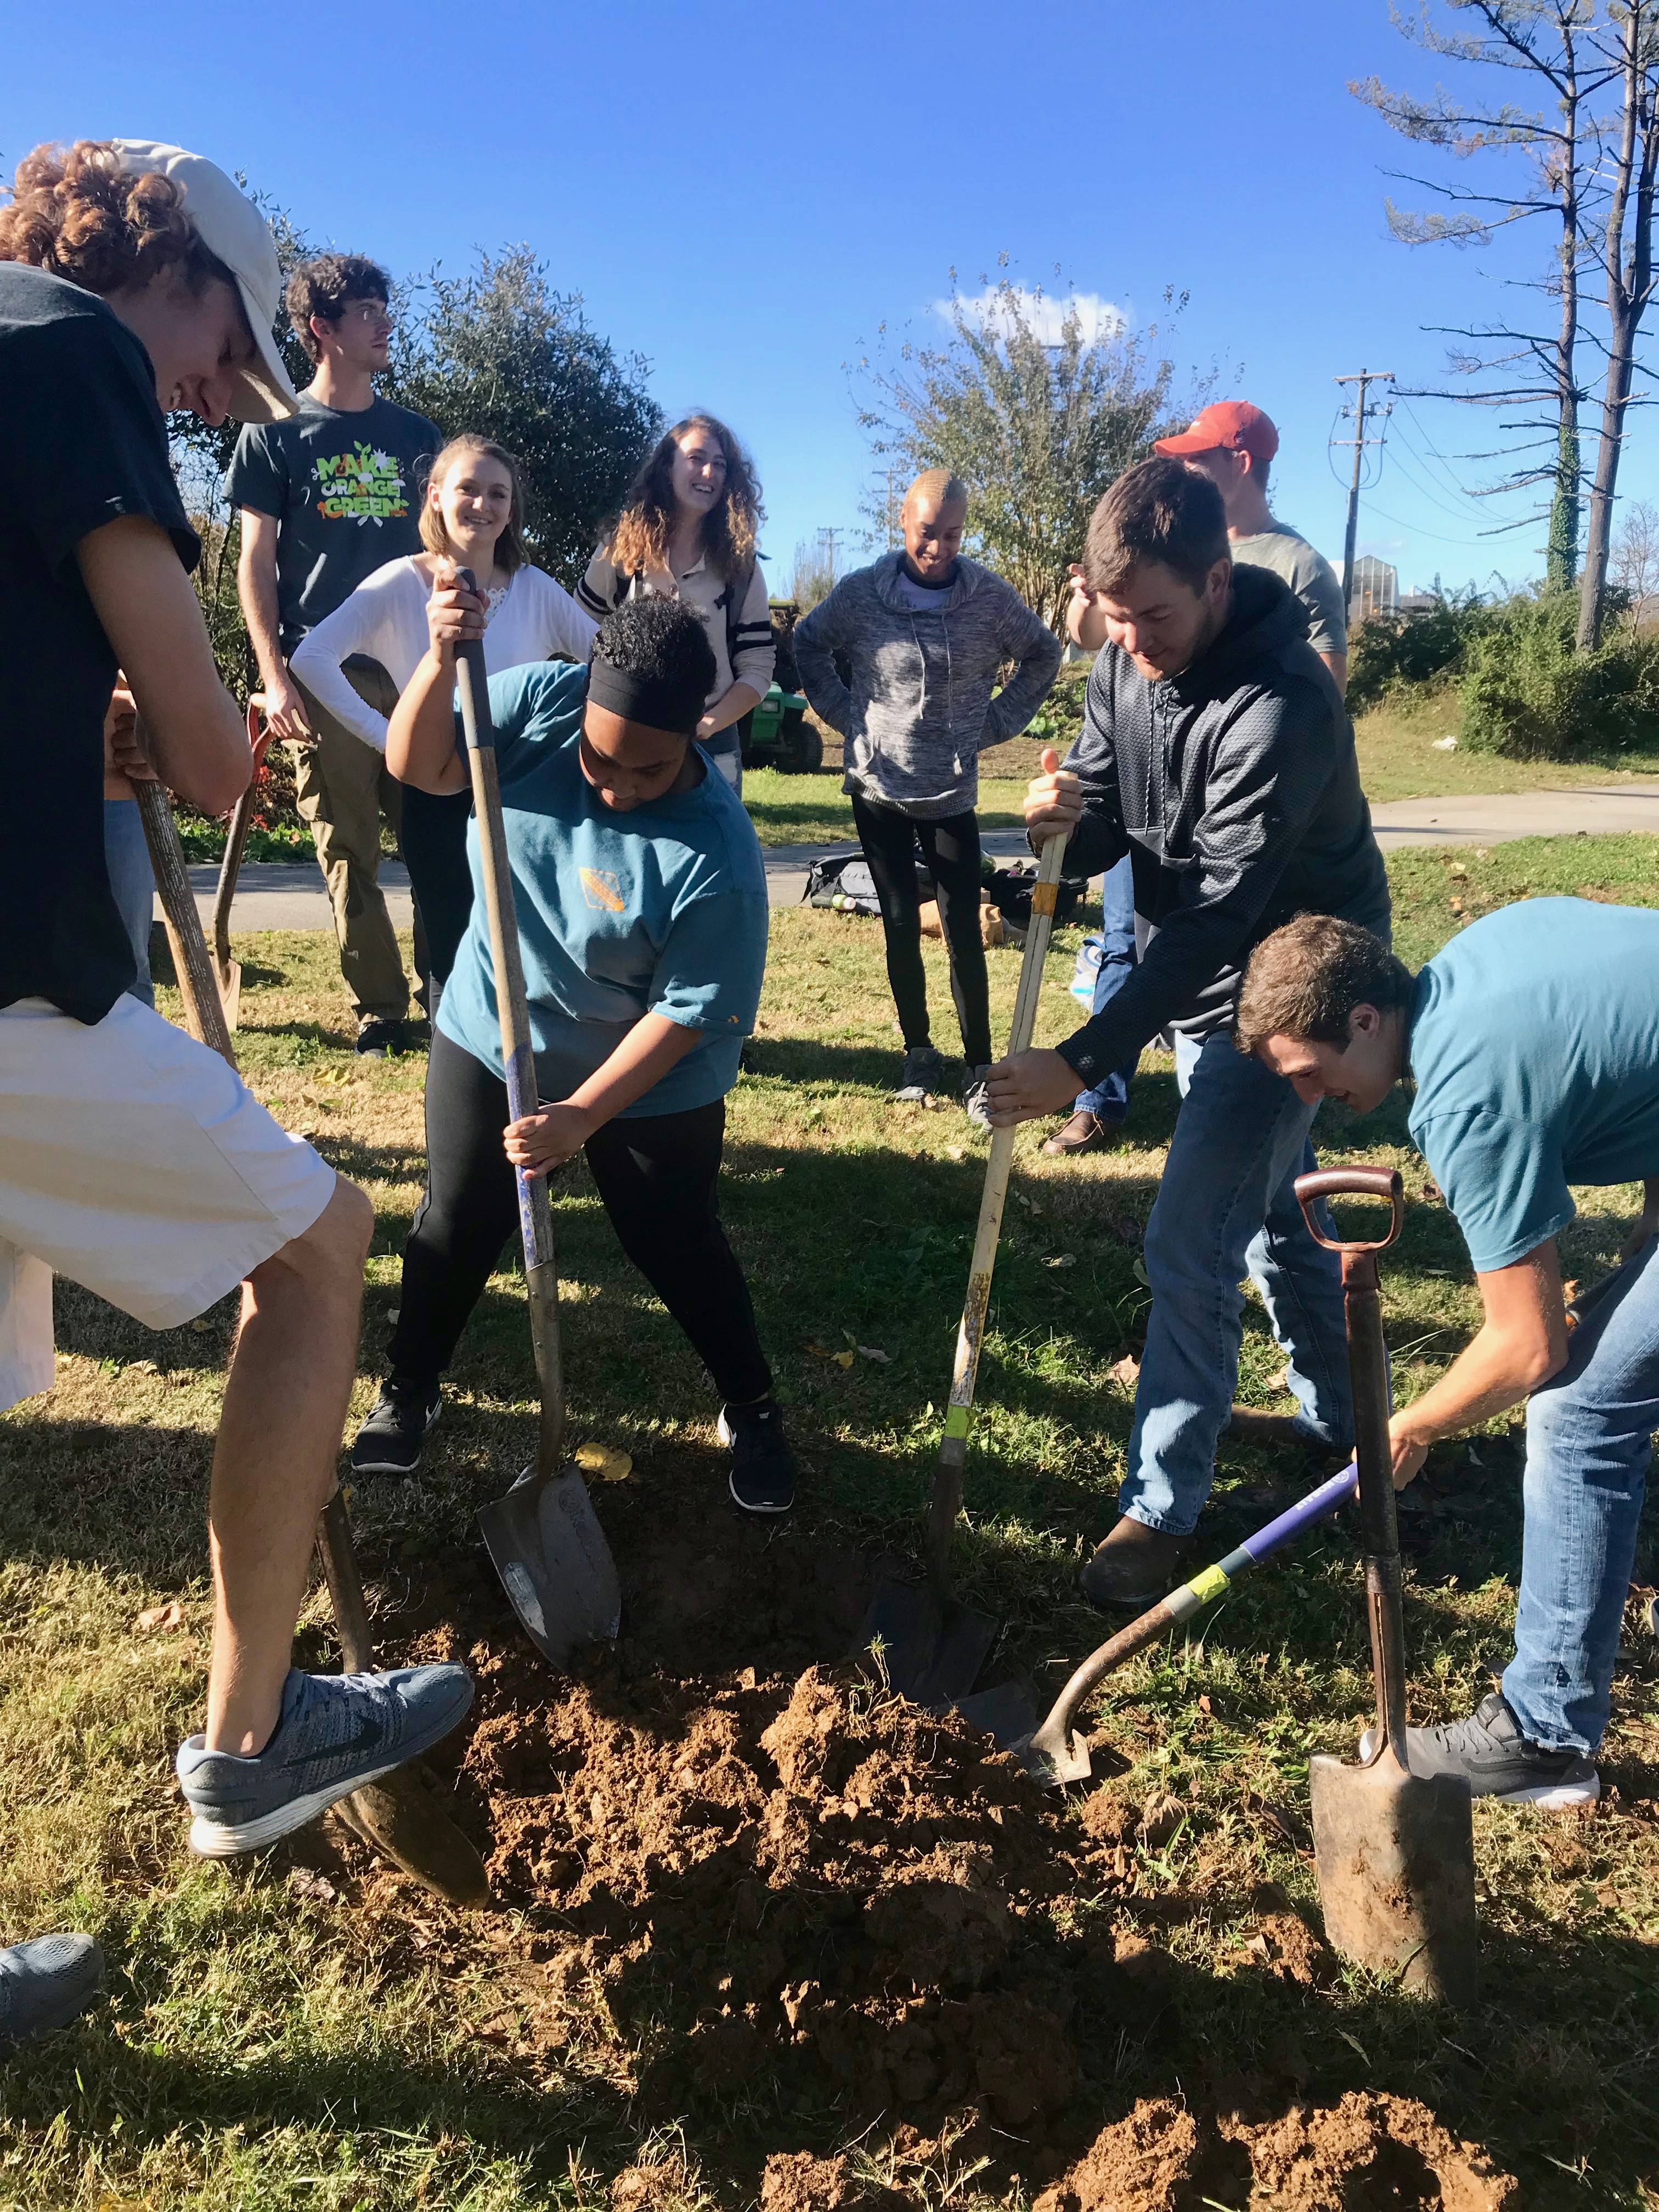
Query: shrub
x=1391 y=651
x=1529 y=695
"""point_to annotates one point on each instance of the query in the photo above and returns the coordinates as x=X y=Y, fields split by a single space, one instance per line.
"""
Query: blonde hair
x=939 y=484
x=638 y=538
x=512 y=554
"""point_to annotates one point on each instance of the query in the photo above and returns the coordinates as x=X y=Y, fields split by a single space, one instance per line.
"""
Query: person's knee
x=331 y=1251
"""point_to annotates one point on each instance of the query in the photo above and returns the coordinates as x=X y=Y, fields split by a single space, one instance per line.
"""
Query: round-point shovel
x=1055 y=1754
x=932 y=1646
x=544 y=1538
x=1394 y=1850
x=396 y=1814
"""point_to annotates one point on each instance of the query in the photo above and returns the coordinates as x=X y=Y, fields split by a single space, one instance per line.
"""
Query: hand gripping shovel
x=1394 y=1851
x=229 y=972
x=396 y=1815
x=544 y=1538
x=1055 y=1754
x=934 y=1646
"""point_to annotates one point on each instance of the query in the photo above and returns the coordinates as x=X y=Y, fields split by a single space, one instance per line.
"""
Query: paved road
x=289 y=895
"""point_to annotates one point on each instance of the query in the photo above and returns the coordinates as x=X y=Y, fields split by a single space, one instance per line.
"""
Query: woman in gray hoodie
x=924 y=633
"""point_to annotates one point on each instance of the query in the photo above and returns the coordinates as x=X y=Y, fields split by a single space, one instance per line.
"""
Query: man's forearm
x=256 y=588
x=1495 y=1372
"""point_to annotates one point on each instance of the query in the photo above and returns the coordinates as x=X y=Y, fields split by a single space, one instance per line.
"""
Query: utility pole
x=1366 y=379
x=827 y=540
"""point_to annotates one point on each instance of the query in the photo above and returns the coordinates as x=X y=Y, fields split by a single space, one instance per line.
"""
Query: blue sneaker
x=42 y=1985
x=337 y=1733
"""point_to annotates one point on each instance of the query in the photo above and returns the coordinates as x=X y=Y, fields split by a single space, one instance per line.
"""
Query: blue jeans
x=1589 y=1438
x=1109 y=1100
x=1227 y=1205
x=131 y=879
x=724 y=754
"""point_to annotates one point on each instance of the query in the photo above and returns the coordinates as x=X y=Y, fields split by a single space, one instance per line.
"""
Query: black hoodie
x=1234 y=789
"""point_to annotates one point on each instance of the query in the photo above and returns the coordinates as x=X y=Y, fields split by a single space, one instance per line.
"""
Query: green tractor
x=778 y=734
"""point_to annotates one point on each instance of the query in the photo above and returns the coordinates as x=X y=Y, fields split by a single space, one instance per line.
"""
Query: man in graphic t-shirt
x=326 y=498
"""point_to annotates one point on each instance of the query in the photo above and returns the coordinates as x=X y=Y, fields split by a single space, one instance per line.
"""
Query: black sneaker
x=924 y=1075
x=416 y=1034
x=46 y=1982
x=763 y=1466
x=390 y=1440
x=377 y=1039
x=1493 y=1756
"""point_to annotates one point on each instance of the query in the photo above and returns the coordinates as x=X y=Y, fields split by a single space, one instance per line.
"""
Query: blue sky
x=743 y=193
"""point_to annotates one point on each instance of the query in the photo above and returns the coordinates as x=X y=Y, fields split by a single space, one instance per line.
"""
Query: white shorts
x=136 y=1162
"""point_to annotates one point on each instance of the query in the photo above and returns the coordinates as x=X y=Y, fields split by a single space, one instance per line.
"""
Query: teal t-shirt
x=1534 y=1046
x=659 y=910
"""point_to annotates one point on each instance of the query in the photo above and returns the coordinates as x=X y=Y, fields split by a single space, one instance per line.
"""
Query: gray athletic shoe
x=976 y=1096
x=336 y=1734
x=924 y=1075
x=1493 y=1756
x=44 y=1983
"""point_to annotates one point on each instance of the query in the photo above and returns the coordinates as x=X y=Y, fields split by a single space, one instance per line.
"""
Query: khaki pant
x=344 y=786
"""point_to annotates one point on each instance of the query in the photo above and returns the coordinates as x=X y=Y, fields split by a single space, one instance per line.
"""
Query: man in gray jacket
x=924 y=633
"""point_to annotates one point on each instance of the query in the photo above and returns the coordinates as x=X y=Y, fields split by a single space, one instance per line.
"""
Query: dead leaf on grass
x=603 y=1460
x=875 y=1351
x=1126 y=1372
x=159 y=1619
x=1061 y=1260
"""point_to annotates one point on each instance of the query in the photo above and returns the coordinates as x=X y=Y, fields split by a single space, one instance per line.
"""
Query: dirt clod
x=1143 y=2163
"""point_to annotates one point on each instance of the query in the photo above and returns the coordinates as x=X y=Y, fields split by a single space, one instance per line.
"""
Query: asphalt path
x=289 y=894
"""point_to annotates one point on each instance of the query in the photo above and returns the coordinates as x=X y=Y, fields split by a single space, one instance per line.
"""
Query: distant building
x=1375 y=590
x=1418 y=603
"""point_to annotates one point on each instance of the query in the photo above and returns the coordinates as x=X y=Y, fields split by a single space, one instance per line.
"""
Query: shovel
x=544 y=1538
x=932 y=1646
x=1054 y=1753
x=229 y=972
x=1393 y=1851
x=396 y=1814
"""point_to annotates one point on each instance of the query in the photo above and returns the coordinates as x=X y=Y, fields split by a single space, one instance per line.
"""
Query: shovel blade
x=932 y=1647
x=545 y=1543
x=401 y=1820
x=1395 y=1853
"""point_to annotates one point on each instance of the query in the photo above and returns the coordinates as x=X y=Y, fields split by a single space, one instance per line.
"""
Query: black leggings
x=656 y=1176
x=433 y=835
x=950 y=849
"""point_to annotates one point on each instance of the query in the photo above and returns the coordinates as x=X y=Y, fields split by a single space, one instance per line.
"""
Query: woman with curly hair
x=687 y=532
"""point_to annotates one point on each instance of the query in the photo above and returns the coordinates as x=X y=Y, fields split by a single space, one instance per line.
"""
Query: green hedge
x=1529 y=695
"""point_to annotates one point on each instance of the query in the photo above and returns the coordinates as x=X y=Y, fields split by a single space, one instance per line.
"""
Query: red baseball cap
x=1232 y=425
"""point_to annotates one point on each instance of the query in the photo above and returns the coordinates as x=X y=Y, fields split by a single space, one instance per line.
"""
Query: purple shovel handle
x=1302 y=1515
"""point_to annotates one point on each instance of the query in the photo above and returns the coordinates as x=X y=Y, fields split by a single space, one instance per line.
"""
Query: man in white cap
x=136 y=278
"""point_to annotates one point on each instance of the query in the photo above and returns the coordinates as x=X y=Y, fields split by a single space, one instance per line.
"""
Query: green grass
x=1398 y=759
x=294 y=2032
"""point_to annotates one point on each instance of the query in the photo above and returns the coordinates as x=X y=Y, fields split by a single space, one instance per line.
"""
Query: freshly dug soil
x=1365 y=2154
x=813 y=1883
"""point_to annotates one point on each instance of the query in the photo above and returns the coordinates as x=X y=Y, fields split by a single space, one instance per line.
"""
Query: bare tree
x=1631 y=38
x=1547 y=43
x=1634 y=568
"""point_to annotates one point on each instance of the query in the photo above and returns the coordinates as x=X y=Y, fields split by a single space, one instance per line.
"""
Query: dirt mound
x=1363 y=2155
x=814 y=1880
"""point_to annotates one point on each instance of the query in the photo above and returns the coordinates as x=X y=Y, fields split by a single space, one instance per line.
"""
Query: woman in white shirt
x=686 y=533
x=471 y=517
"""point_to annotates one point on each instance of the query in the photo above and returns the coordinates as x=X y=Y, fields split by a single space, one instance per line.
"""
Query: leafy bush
x=1391 y=651
x=1529 y=695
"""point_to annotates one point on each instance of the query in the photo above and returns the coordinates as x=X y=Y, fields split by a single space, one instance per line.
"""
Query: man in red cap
x=1233 y=444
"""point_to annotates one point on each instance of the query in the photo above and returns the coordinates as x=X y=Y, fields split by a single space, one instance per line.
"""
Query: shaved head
x=937 y=487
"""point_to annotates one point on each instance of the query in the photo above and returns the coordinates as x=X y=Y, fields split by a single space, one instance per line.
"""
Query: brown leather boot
x=1084 y=1132
x=1133 y=1567
x=1246 y=1424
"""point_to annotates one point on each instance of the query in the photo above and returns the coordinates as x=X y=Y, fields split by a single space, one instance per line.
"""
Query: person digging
x=1530 y=1050
x=1217 y=753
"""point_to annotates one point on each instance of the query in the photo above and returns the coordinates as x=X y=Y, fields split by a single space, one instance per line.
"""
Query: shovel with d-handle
x=1394 y=1850
x=932 y=1646
x=396 y=1814
x=1055 y=1754
x=543 y=1537
x=229 y=972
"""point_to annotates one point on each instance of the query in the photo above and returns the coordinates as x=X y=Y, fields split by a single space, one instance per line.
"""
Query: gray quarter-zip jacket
x=919 y=710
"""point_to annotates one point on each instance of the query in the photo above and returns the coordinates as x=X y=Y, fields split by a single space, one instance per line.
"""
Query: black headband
x=655 y=701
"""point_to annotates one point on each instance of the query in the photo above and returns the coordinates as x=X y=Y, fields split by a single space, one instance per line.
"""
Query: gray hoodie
x=919 y=709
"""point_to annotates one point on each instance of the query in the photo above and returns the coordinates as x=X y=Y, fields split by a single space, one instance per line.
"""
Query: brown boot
x=1133 y=1567
x=1247 y=1425
x=1084 y=1132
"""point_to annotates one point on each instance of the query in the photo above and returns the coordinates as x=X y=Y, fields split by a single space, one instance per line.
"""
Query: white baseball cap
x=233 y=229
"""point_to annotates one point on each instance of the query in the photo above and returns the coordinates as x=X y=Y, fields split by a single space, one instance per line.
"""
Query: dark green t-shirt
x=346 y=489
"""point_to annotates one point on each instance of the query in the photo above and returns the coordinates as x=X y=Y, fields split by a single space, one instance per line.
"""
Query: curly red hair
x=73 y=213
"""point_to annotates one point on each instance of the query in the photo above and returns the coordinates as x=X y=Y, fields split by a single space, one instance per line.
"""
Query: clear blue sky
x=744 y=192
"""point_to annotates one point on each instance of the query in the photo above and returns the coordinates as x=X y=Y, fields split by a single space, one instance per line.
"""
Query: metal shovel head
x=545 y=1543
x=931 y=1647
x=399 y=1817
x=1395 y=1853
x=1051 y=1756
